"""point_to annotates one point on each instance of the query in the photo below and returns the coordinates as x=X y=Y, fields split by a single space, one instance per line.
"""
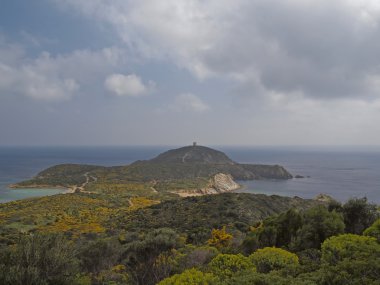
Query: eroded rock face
x=219 y=183
x=224 y=183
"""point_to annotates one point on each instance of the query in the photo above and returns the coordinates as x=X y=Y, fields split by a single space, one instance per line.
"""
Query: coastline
x=65 y=190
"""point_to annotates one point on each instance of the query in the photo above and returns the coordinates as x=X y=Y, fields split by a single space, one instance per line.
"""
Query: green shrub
x=374 y=230
x=350 y=259
x=40 y=259
x=271 y=258
x=190 y=277
x=359 y=215
x=226 y=265
x=349 y=246
x=319 y=224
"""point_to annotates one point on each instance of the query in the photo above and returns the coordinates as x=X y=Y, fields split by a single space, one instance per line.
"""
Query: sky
x=170 y=72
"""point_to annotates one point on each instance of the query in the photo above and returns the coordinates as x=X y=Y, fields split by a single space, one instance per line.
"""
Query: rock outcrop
x=224 y=183
x=324 y=198
x=219 y=183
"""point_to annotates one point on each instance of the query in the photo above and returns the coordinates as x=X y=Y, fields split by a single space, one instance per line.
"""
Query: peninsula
x=186 y=171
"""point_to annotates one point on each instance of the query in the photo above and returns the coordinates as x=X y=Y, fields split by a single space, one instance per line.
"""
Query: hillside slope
x=193 y=214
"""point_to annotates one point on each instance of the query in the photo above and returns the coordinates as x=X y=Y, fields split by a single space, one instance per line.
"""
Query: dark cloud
x=226 y=72
x=325 y=50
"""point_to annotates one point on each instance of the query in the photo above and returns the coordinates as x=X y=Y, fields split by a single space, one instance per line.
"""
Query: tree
x=287 y=226
x=277 y=231
x=100 y=255
x=251 y=243
x=271 y=258
x=358 y=215
x=335 y=206
x=140 y=256
x=319 y=224
x=264 y=234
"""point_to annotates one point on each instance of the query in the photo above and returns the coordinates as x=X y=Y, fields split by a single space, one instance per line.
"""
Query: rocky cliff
x=219 y=183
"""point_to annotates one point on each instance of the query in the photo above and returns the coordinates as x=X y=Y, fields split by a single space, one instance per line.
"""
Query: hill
x=192 y=169
x=112 y=214
x=193 y=214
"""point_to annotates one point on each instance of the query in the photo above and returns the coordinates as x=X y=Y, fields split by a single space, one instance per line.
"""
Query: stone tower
x=194 y=143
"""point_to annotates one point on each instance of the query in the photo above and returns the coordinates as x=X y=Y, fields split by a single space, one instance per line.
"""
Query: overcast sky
x=221 y=72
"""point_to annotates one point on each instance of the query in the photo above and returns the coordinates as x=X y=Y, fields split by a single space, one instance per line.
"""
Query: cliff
x=219 y=183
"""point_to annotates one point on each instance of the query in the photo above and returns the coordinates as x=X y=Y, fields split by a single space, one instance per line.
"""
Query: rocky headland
x=187 y=171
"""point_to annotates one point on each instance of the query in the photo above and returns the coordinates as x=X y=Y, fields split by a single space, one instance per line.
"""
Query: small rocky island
x=186 y=171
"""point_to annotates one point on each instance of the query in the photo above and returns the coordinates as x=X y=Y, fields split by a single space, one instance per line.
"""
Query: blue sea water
x=341 y=173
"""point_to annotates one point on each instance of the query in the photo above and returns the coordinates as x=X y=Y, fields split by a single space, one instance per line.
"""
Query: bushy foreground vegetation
x=222 y=239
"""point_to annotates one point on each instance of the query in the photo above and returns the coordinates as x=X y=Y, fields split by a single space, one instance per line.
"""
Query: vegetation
x=227 y=265
x=190 y=277
x=359 y=215
x=220 y=238
x=39 y=259
x=126 y=227
x=350 y=259
x=65 y=175
x=123 y=238
x=374 y=230
x=187 y=168
x=271 y=258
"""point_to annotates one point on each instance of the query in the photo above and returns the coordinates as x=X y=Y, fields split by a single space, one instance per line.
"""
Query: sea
x=341 y=172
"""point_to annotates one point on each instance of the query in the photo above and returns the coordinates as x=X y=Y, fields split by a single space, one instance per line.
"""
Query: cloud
x=188 y=102
x=37 y=80
x=53 y=78
x=321 y=49
x=127 y=85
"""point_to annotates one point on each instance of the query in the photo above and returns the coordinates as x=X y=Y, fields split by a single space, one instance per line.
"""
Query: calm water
x=340 y=173
x=21 y=163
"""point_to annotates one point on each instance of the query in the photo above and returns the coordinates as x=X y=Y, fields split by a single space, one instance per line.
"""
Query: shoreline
x=65 y=190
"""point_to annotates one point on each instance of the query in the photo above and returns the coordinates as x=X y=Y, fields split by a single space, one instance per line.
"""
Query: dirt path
x=154 y=182
x=130 y=203
x=83 y=186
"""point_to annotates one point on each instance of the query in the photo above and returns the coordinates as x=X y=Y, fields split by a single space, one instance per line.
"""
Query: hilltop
x=193 y=154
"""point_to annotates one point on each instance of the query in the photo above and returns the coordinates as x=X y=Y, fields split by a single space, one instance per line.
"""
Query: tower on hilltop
x=194 y=143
